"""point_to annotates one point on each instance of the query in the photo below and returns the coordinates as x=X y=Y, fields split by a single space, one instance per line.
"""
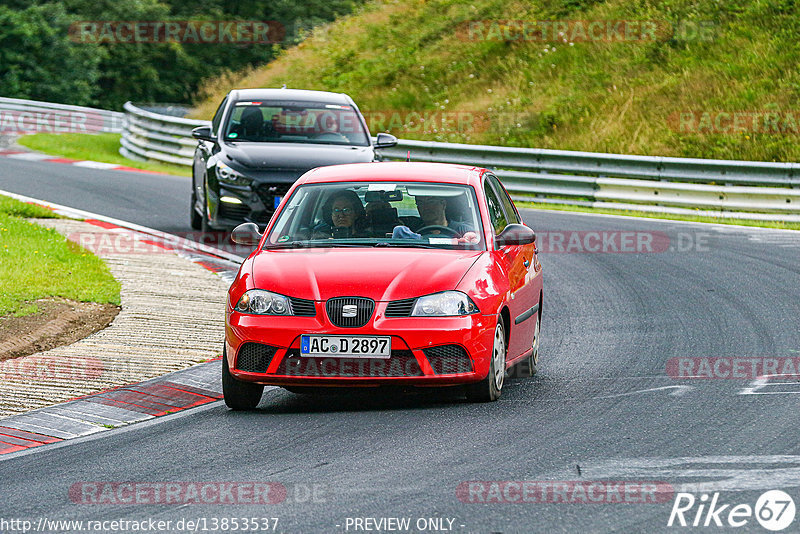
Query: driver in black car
x=432 y=210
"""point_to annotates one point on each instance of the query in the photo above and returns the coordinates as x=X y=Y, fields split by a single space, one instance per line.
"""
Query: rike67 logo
x=774 y=510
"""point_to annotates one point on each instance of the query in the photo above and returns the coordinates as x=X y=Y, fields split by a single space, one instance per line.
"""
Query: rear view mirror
x=203 y=133
x=385 y=140
x=515 y=234
x=246 y=234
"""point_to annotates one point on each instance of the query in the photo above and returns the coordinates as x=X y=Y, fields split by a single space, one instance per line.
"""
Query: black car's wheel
x=238 y=395
x=194 y=218
x=205 y=226
x=490 y=388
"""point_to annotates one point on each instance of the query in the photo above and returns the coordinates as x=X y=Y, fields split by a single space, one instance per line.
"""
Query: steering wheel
x=445 y=229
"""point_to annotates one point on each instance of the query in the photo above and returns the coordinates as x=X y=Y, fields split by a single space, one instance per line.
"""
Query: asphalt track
x=602 y=407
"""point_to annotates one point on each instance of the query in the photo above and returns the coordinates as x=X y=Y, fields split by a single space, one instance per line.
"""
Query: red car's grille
x=400 y=308
x=350 y=312
x=255 y=357
x=401 y=363
x=448 y=359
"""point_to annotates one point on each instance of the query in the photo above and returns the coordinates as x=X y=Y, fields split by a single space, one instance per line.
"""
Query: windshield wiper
x=404 y=244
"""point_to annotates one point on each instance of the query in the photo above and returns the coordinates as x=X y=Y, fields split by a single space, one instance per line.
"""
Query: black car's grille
x=448 y=359
x=401 y=363
x=303 y=308
x=267 y=193
x=363 y=311
x=255 y=357
x=400 y=308
x=233 y=211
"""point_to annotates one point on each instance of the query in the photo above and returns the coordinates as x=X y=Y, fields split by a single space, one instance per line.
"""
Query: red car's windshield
x=372 y=214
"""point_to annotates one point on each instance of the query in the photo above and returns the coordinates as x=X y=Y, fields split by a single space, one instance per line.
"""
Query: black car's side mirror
x=515 y=234
x=385 y=140
x=203 y=133
x=246 y=234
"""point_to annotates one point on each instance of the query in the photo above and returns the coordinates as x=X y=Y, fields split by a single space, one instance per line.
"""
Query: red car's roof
x=395 y=172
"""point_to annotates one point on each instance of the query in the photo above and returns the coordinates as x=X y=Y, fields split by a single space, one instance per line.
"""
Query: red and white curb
x=177 y=391
x=214 y=259
x=36 y=156
x=196 y=386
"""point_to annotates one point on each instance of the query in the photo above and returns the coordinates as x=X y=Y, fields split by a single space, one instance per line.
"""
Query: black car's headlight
x=229 y=176
x=260 y=302
x=444 y=304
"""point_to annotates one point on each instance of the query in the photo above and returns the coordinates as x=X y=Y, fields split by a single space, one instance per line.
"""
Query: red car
x=371 y=274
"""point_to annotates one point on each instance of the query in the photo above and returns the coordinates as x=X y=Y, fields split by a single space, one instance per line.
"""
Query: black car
x=261 y=140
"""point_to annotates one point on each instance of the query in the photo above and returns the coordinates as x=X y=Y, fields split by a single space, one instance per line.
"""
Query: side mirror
x=203 y=133
x=515 y=234
x=385 y=140
x=246 y=234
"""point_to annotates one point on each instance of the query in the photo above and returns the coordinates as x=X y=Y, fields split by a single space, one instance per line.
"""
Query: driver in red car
x=433 y=213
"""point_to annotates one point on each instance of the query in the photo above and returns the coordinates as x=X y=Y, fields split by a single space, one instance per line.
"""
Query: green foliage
x=94 y=147
x=38 y=59
x=37 y=262
x=619 y=97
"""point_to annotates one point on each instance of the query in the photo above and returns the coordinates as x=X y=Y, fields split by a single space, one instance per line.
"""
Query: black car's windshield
x=295 y=122
x=379 y=214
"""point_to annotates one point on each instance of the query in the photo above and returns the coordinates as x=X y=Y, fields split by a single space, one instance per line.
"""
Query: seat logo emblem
x=349 y=310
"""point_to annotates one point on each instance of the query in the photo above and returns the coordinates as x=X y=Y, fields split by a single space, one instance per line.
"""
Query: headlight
x=447 y=303
x=260 y=302
x=227 y=175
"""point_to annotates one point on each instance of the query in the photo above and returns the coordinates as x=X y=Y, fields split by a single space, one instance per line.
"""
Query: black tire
x=528 y=367
x=194 y=218
x=490 y=388
x=239 y=395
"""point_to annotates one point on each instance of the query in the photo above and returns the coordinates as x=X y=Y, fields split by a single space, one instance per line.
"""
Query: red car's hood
x=379 y=274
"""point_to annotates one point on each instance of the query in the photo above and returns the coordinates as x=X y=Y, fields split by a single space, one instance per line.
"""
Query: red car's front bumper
x=435 y=351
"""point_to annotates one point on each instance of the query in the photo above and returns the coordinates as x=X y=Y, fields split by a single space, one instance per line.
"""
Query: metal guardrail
x=149 y=135
x=18 y=116
x=734 y=189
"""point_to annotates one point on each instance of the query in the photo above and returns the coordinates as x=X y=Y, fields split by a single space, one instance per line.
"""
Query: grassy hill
x=621 y=95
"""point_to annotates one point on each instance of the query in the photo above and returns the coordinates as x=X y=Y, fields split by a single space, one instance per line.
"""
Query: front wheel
x=490 y=388
x=194 y=217
x=238 y=395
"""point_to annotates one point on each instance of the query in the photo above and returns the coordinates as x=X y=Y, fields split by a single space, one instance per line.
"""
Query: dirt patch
x=58 y=322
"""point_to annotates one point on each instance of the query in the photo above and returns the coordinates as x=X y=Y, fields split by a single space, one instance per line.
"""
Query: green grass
x=616 y=97
x=669 y=216
x=94 y=147
x=37 y=262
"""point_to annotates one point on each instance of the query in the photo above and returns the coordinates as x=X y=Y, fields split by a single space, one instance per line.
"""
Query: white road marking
x=677 y=391
x=764 y=381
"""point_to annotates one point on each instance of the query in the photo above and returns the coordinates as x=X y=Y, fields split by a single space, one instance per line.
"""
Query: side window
x=215 y=122
x=496 y=215
x=511 y=211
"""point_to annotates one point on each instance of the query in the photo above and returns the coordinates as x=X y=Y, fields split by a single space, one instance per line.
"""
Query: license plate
x=346 y=346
